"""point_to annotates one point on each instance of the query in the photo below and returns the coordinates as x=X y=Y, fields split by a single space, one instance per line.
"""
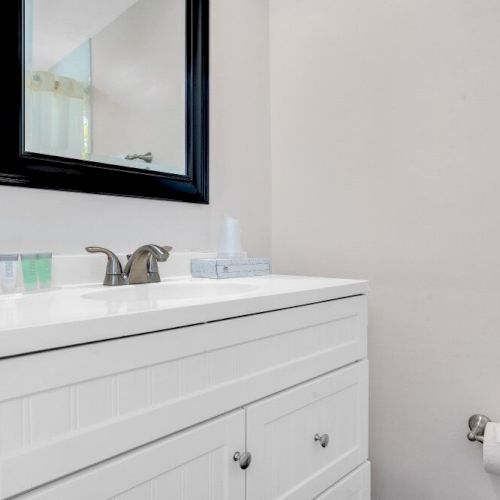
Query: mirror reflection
x=105 y=81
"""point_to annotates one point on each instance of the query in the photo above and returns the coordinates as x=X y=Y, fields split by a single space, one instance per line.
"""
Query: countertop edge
x=34 y=339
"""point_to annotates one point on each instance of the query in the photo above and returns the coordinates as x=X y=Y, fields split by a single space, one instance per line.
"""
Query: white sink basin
x=170 y=291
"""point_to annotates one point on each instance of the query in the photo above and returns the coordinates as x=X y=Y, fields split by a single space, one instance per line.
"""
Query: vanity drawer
x=356 y=486
x=288 y=461
x=68 y=409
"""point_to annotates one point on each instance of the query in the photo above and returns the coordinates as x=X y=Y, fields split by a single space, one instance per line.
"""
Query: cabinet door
x=193 y=465
x=356 y=486
x=307 y=438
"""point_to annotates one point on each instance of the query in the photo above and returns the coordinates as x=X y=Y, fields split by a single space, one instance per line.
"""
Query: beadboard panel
x=83 y=405
x=192 y=465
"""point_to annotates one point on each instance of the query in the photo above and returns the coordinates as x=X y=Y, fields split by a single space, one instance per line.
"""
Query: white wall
x=240 y=165
x=61 y=26
x=386 y=166
x=138 y=85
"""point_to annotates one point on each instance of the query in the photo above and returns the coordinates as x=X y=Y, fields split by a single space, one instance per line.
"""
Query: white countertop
x=76 y=315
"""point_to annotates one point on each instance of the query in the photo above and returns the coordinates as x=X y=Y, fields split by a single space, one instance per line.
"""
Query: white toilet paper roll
x=491 y=448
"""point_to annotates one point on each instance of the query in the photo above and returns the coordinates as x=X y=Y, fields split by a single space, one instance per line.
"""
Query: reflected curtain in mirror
x=57 y=117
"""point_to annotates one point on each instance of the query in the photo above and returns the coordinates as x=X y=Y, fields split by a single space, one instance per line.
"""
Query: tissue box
x=229 y=268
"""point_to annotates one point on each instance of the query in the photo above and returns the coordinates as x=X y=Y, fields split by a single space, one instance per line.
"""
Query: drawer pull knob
x=323 y=440
x=245 y=459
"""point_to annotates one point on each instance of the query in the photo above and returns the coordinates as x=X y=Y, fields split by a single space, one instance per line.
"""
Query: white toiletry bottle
x=8 y=272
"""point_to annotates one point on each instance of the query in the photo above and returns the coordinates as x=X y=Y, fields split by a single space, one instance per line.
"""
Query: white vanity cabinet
x=355 y=486
x=161 y=415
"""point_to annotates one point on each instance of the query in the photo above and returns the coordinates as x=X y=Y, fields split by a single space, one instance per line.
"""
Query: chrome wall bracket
x=477 y=426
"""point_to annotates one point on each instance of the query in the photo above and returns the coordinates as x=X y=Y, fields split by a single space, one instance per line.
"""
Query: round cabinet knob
x=245 y=459
x=323 y=440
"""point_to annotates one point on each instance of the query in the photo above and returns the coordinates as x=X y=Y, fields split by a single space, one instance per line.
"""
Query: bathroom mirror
x=110 y=97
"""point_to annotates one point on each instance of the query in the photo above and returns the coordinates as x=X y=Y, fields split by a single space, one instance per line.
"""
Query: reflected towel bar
x=147 y=157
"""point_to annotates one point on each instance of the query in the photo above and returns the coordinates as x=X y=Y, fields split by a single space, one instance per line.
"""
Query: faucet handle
x=167 y=249
x=114 y=273
x=153 y=261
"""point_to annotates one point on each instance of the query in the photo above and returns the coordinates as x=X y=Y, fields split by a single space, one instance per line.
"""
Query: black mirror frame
x=21 y=169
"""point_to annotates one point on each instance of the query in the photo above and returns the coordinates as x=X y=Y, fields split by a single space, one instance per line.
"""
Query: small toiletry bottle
x=44 y=269
x=28 y=262
x=8 y=272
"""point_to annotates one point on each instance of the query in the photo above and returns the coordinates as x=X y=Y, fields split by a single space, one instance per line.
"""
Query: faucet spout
x=142 y=267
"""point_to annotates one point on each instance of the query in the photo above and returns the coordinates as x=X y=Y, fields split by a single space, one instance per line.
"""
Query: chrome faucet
x=141 y=267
